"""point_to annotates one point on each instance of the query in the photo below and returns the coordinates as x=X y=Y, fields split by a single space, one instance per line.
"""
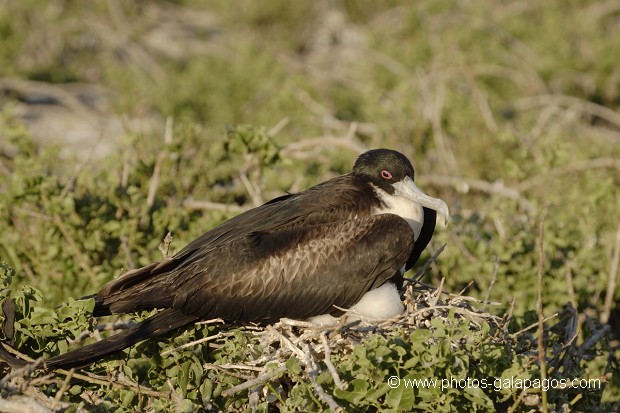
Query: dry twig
x=539 y=310
x=612 y=279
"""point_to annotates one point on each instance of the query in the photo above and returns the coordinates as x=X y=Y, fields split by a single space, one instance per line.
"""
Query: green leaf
x=400 y=398
x=292 y=365
x=357 y=391
x=420 y=335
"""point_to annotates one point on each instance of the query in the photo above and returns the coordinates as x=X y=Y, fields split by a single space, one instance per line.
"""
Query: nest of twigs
x=315 y=346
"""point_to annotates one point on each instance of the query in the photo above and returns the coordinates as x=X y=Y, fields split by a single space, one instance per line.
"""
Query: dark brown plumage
x=297 y=256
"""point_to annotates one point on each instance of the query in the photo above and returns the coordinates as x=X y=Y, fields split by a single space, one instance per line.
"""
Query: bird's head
x=392 y=172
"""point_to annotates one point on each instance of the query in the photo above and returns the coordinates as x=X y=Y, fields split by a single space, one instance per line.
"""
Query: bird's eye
x=385 y=174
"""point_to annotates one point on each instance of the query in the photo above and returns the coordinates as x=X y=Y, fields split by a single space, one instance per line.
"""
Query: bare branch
x=464 y=185
x=261 y=378
x=191 y=203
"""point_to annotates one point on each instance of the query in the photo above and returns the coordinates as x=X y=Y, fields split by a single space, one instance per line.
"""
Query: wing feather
x=156 y=285
x=331 y=264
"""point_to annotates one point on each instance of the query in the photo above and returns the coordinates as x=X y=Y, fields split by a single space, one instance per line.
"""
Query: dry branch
x=22 y=405
x=584 y=106
x=261 y=378
x=573 y=167
x=191 y=203
x=465 y=185
x=539 y=310
x=612 y=279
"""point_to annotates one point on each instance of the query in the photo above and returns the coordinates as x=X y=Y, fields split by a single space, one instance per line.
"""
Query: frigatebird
x=344 y=243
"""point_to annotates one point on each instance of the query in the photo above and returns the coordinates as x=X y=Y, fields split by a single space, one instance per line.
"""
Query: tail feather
x=10 y=359
x=161 y=323
x=139 y=289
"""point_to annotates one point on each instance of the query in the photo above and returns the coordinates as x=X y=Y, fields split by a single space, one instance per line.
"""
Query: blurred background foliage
x=123 y=120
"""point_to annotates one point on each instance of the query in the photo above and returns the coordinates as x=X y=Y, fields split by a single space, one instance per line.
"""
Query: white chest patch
x=410 y=211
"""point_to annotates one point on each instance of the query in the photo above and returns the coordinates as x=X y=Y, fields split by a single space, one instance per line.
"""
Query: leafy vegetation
x=509 y=112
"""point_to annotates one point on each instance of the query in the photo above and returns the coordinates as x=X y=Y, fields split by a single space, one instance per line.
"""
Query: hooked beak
x=407 y=189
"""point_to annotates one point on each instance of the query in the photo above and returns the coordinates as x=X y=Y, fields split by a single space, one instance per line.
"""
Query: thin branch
x=107 y=381
x=467 y=287
x=59 y=94
x=328 y=362
x=433 y=94
x=154 y=181
x=193 y=343
x=481 y=99
x=539 y=310
x=174 y=396
x=168 y=132
x=22 y=405
x=575 y=167
x=418 y=275
x=612 y=279
x=86 y=160
x=586 y=107
x=570 y=285
x=300 y=323
x=282 y=123
x=116 y=325
x=63 y=388
x=464 y=185
x=287 y=341
x=435 y=299
x=523 y=330
x=22 y=372
x=190 y=203
x=231 y=366
x=261 y=378
x=254 y=192
x=493 y=281
x=508 y=317
x=298 y=148
x=77 y=252
x=313 y=372
x=457 y=310
x=594 y=338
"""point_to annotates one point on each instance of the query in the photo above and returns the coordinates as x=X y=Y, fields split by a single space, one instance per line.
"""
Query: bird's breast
x=410 y=211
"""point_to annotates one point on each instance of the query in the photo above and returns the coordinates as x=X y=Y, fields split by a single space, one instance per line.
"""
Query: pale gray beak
x=407 y=189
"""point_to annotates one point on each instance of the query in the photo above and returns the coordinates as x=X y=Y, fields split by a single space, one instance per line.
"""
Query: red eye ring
x=385 y=174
